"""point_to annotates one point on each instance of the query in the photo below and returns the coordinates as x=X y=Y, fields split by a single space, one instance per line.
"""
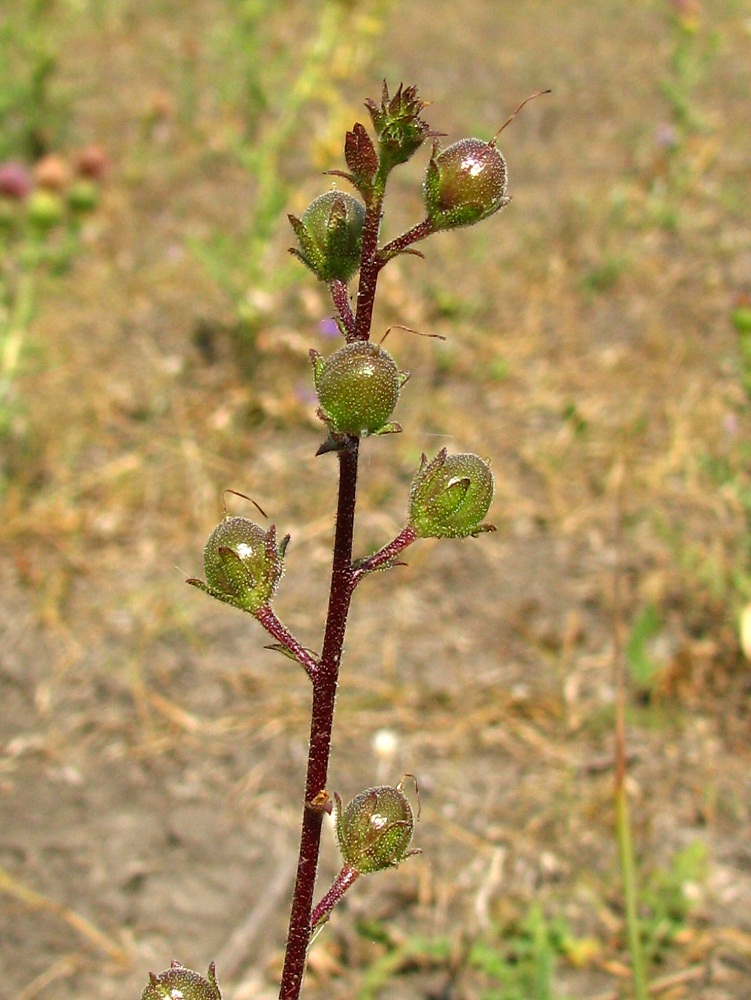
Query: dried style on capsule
x=468 y=181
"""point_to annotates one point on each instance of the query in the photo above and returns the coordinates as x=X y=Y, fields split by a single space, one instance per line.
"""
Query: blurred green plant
x=521 y=963
x=517 y=961
x=33 y=111
x=643 y=668
x=666 y=900
x=39 y=235
x=682 y=158
x=604 y=276
x=740 y=317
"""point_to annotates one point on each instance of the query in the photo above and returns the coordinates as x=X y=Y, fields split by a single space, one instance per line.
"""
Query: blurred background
x=154 y=338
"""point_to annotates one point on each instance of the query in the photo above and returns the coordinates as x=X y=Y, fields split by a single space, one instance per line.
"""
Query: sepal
x=361 y=158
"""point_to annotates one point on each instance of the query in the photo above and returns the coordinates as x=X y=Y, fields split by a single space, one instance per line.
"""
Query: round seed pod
x=330 y=236
x=358 y=388
x=465 y=183
x=243 y=563
x=375 y=829
x=179 y=983
x=450 y=496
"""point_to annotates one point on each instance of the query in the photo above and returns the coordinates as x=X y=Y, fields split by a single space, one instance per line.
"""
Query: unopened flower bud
x=330 y=236
x=358 y=388
x=450 y=496
x=179 y=983
x=465 y=183
x=243 y=564
x=375 y=829
x=398 y=125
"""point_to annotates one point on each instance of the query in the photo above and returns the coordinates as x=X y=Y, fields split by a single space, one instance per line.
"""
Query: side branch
x=386 y=557
x=340 y=298
x=281 y=633
x=399 y=245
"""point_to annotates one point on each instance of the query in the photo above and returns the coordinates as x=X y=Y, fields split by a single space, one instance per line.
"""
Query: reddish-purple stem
x=346 y=878
x=413 y=235
x=281 y=633
x=385 y=556
x=374 y=259
x=370 y=265
x=343 y=580
x=321 y=725
x=340 y=298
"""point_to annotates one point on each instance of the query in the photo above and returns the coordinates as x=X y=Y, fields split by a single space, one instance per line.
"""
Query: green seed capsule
x=330 y=236
x=358 y=388
x=450 y=496
x=179 y=983
x=243 y=564
x=465 y=183
x=375 y=829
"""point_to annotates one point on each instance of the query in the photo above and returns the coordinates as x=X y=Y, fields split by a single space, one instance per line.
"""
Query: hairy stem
x=281 y=633
x=399 y=245
x=370 y=263
x=321 y=726
x=340 y=298
x=386 y=556
x=344 y=880
x=326 y=677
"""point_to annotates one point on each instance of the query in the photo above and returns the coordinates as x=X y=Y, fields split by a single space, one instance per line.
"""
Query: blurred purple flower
x=665 y=136
x=15 y=180
x=305 y=394
x=328 y=327
x=730 y=424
